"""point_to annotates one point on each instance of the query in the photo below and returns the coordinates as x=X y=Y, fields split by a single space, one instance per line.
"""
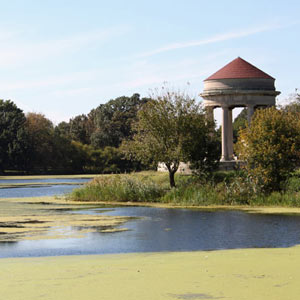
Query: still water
x=161 y=229
x=66 y=186
x=158 y=229
x=46 y=180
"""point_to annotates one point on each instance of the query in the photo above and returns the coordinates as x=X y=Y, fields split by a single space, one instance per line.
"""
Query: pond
x=148 y=229
x=39 y=187
x=45 y=180
x=162 y=229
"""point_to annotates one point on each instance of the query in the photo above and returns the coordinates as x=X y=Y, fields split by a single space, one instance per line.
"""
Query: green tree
x=270 y=147
x=172 y=129
x=63 y=130
x=40 y=131
x=239 y=123
x=13 y=140
x=66 y=156
x=108 y=160
x=80 y=156
x=79 y=129
x=113 y=120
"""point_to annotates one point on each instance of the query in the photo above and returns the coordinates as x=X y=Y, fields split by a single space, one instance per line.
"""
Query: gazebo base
x=229 y=165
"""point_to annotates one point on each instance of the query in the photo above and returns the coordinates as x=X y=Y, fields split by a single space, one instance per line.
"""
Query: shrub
x=270 y=148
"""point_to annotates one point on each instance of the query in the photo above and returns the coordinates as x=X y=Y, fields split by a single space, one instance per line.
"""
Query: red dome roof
x=239 y=68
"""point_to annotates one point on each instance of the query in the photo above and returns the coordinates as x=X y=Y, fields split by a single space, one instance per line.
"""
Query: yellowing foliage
x=270 y=147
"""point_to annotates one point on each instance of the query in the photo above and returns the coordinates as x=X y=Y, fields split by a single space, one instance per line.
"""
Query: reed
x=221 y=189
x=119 y=188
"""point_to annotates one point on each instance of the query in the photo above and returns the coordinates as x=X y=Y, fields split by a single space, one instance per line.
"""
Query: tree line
x=133 y=133
x=90 y=143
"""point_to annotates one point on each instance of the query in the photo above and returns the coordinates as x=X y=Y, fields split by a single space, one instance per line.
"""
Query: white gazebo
x=238 y=84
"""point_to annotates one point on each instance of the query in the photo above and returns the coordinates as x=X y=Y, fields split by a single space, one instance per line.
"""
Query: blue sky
x=63 y=58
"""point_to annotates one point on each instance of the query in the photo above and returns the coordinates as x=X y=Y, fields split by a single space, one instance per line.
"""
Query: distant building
x=183 y=168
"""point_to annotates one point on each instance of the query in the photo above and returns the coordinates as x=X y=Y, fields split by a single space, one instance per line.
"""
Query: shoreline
x=244 y=208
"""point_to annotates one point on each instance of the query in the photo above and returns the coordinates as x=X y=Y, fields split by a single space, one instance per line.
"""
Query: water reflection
x=45 y=180
x=37 y=191
x=172 y=230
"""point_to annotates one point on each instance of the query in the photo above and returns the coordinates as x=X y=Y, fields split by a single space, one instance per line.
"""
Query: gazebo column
x=230 y=135
x=225 y=135
x=250 y=112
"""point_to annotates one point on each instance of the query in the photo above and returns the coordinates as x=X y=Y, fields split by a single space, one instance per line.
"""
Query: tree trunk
x=172 y=168
x=172 y=179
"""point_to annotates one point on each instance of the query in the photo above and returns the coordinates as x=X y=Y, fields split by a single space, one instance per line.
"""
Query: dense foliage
x=270 y=147
x=13 y=139
x=239 y=123
x=113 y=120
x=85 y=144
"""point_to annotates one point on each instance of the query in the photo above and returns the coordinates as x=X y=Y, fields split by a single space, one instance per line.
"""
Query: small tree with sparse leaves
x=172 y=128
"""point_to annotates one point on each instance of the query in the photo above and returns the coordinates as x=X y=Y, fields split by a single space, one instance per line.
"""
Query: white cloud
x=214 y=39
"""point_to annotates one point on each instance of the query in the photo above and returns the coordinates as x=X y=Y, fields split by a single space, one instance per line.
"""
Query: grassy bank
x=259 y=274
x=224 y=188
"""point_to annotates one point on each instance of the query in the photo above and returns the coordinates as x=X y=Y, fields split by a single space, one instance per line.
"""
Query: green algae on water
x=50 y=218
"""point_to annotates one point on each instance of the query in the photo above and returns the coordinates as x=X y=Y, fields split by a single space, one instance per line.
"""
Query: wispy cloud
x=14 y=51
x=214 y=39
x=6 y=35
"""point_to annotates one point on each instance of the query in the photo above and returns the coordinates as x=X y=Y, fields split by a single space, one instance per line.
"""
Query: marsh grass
x=193 y=194
x=223 y=188
x=119 y=188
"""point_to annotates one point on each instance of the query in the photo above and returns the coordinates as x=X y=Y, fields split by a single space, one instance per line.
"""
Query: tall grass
x=221 y=189
x=119 y=188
